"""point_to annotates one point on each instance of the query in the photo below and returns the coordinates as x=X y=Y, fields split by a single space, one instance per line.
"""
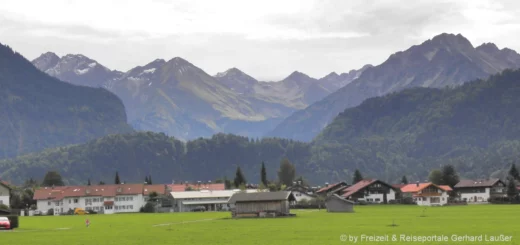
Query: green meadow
x=309 y=227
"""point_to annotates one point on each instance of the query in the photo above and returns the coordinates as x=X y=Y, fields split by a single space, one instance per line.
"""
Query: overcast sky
x=266 y=39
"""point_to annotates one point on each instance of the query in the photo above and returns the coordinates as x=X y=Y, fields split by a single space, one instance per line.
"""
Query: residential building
x=336 y=203
x=301 y=193
x=186 y=201
x=480 y=191
x=332 y=189
x=5 y=193
x=261 y=204
x=370 y=190
x=426 y=194
x=107 y=199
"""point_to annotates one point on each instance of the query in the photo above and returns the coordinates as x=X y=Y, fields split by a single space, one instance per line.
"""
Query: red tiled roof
x=182 y=187
x=48 y=193
x=4 y=183
x=59 y=192
x=324 y=189
x=415 y=188
x=159 y=189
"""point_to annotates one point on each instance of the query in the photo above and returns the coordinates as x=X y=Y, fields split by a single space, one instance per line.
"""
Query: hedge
x=13 y=219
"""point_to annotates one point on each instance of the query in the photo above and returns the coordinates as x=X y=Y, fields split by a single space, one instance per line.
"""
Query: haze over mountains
x=445 y=60
x=180 y=99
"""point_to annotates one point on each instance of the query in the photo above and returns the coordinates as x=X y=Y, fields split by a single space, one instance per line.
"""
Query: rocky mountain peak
x=46 y=61
x=488 y=48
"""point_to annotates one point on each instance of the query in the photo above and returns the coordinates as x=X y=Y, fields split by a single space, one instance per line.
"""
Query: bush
x=50 y=211
x=13 y=219
x=149 y=208
x=90 y=211
x=141 y=210
x=4 y=207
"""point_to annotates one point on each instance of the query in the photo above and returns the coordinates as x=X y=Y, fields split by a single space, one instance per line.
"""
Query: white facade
x=121 y=204
x=375 y=197
x=4 y=195
x=477 y=197
x=186 y=201
x=432 y=200
x=482 y=195
x=299 y=196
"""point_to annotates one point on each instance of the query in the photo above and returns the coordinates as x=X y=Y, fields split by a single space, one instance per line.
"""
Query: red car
x=5 y=223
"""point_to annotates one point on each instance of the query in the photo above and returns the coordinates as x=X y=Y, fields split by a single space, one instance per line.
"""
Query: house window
x=378 y=200
x=435 y=200
x=76 y=200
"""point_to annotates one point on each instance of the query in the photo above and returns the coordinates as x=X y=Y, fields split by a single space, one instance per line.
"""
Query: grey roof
x=477 y=183
x=261 y=196
x=336 y=196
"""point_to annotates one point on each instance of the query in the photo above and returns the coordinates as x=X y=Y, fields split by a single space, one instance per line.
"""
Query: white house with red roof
x=427 y=194
x=5 y=193
x=370 y=190
x=107 y=199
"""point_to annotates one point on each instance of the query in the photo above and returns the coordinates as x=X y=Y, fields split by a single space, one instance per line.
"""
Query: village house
x=261 y=204
x=370 y=190
x=107 y=199
x=336 y=203
x=426 y=194
x=5 y=193
x=480 y=191
x=301 y=193
x=332 y=189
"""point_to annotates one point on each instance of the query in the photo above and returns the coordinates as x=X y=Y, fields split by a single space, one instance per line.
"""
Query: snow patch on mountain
x=151 y=70
x=81 y=71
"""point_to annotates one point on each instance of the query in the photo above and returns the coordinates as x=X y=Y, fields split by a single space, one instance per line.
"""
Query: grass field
x=309 y=227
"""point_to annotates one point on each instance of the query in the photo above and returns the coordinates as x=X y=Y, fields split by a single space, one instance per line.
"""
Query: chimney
x=417 y=183
x=326 y=184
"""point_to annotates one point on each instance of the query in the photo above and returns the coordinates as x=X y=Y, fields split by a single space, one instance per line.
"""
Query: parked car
x=37 y=212
x=80 y=211
x=5 y=223
x=199 y=209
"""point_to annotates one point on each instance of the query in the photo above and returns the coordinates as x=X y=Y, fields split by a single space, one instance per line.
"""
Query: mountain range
x=38 y=111
x=473 y=127
x=182 y=100
x=445 y=60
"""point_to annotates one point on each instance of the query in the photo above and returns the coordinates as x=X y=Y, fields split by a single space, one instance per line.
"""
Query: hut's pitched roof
x=261 y=196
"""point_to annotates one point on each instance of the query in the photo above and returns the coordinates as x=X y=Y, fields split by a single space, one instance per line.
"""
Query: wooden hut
x=262 y=204
x=335 y=203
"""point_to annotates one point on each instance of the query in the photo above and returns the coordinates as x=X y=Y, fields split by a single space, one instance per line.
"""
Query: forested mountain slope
x=38 y=111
